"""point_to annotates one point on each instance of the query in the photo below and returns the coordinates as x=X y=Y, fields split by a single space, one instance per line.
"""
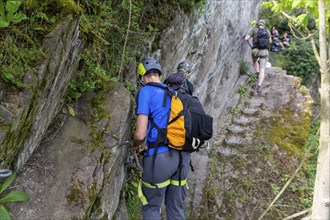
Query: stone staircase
x=278 y=89
x=235 y=141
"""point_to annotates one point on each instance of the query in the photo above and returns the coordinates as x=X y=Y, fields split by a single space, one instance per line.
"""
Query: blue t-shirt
x=149 y=102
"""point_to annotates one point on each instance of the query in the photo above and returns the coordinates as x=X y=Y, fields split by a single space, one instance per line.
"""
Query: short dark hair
x=153 y=72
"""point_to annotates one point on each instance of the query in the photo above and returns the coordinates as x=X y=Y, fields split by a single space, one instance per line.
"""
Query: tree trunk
x=321 y=200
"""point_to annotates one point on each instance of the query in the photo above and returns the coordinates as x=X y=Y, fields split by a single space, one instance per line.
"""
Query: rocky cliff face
x=71 y=167
x=212 y=43
x=76 y=168
x=79 y=173
x=27 y=114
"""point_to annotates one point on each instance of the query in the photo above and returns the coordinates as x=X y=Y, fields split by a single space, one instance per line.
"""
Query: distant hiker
x=273 y=32
x=261 y=40
x=165 y=170
x=277 y=45
x=286 y=40
x=179 y=80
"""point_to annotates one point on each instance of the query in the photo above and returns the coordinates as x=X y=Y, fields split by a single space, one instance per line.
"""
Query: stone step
x=226 y=151
x=242 y=120
x=250 y=111
x=236 y=129
x=233 y=141
x=255 y=102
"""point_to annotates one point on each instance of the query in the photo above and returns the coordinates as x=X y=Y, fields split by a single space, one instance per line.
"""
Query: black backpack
x=179 y=81
x=188 y=127
x=262 y=38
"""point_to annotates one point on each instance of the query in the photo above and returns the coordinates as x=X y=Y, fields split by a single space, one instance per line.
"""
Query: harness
x=261 y=56
x=160 y=140
x=157 y=186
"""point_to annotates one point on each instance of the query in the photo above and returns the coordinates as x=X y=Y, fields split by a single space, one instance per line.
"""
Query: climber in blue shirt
x=165 y=170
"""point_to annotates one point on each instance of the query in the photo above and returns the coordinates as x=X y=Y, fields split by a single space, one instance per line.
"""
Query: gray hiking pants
x=166 y=168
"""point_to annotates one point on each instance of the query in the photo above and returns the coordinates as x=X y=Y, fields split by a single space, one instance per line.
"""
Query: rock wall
x=81 y=162
x=27 y=114
x=71 y=167
x=225 y=182
x=212 y=42
x=79 y=173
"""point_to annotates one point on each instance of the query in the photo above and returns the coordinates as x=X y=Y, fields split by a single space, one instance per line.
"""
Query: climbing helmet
x=184 y=67
x=261 y=22
x=148 y=64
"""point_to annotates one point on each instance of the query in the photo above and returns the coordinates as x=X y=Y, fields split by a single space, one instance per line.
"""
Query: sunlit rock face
x=79 y=173
x=210 y=40
x=78 y=170
x=27 y=113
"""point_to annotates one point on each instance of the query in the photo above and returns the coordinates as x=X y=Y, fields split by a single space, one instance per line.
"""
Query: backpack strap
x=168 y=91
x=161 y=133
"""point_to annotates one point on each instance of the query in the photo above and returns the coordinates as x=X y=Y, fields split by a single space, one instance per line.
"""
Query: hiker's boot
x=259 y=90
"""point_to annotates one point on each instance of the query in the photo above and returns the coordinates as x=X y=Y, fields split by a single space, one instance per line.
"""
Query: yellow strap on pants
x=158 y=185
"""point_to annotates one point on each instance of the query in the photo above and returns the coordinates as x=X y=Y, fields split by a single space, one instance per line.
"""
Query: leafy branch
x=12 y=196
x=8 y=13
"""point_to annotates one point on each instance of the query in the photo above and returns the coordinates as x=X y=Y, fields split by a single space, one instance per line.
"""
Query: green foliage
x=275 y=189
x=16 y=59
x=242 y=90
x=133 y=202
x=105 y=27
x=299 y=60
x=312 y=143
x=244 y=67
x=12 y=196
x=90 y=78
x=189 y=5
x=58 y=8
x=9 y=13
x=304 y=12
x=252 y=77
x=233 y=111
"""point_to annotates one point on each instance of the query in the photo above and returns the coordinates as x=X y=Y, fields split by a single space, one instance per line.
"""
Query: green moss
x=297 y=82
x=92 y=191
x=75 y=196
x=304 y=90
x=98 y=136
x=77 y=140
x=15 y=137
x=134 y=208
x=63 y=6
x=105 y=216
x=244 y=67
x=19 y=57
x=289 y=133
x=3 y=125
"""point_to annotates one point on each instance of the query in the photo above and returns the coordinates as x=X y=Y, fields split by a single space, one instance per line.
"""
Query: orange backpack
x=188 y=126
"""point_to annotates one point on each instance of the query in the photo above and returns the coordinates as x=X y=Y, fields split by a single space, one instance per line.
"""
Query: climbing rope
x=5 y=173
x=248 y=42
x=137 y=161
